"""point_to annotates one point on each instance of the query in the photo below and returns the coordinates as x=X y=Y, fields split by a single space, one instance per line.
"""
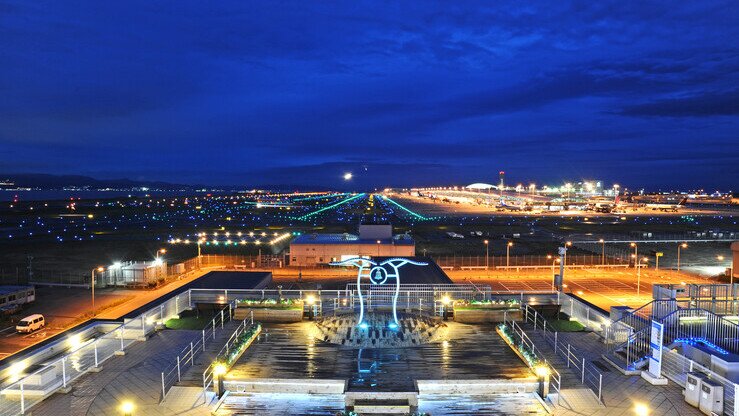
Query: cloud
x=701 y=105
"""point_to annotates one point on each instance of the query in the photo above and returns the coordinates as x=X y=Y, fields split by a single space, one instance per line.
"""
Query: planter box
x=269 y=315
x=486 y=315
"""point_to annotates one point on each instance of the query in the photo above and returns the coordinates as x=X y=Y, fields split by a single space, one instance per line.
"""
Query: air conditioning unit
x=692 y=392
x=712 y=398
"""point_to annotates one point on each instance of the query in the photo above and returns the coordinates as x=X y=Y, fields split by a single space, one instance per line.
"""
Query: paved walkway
x=135 y=376
x=193 y=375
x=620 y=392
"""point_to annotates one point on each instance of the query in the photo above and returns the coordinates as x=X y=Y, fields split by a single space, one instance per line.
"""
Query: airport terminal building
x=374 y=240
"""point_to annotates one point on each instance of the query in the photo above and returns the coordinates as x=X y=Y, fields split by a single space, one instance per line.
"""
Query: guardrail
x=173 y=374
x=19 y=395
x=589 y=376
x=555 y=379
x=208 y=376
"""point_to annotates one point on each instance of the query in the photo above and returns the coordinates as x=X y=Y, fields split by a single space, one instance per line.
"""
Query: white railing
x=208 y=376
x=18 y=396
x=589 y=376
x=555 y=379
x=186 y=357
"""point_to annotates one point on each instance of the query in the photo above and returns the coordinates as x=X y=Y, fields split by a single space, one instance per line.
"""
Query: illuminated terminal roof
x=346 y=238
x=479 y=185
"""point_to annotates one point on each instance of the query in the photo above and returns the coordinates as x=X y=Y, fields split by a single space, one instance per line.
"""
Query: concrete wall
x=281 y=385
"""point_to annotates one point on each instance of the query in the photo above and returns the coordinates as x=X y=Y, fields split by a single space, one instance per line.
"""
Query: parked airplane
x=667 y=207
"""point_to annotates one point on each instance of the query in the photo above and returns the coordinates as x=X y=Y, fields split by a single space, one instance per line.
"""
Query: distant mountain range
x=46 y=181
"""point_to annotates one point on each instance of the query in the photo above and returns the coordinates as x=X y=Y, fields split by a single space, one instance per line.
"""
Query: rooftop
x=346 y=238
x=6 y=290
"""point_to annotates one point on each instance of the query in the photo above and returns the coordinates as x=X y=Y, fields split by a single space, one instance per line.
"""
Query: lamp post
x=679 y=246
x=99 y=269
x=200 y=261
x=564 y=256
x=638 y=274
x=636 y=251
x=487 y=254
x=602 y=252
x=508 y=254
x=378 y=248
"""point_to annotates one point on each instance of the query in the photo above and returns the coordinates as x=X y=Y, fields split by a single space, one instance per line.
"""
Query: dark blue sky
x=639 y=93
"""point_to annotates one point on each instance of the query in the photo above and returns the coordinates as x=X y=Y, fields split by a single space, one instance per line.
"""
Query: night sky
x=298 y=93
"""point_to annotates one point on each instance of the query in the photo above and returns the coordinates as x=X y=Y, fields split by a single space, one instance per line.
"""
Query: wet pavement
x=471 y=352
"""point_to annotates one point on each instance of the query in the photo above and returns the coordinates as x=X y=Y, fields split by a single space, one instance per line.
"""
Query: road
x=64 y=308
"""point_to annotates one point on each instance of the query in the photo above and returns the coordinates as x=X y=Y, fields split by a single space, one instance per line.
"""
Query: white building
x=374 y=240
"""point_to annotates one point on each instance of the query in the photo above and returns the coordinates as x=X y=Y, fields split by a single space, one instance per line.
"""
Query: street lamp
x=508 y=254
x=636 y=251
x=98 y=269
x=602 y=252
x=679 y=246
x=564 y=256
x=638 y=274
x=487 y=254
x=200 y=241
x=378 y=248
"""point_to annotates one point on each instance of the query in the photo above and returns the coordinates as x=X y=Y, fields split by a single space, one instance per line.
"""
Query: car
x=31 y=323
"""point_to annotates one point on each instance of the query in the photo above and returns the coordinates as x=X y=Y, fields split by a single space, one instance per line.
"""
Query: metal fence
x=520 y=338
x=208 y=376
x=30 y=389
x=186 y=357
x=589 y=376
x=527 y=261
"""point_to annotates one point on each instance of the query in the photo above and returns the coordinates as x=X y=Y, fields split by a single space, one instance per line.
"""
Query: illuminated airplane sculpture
x=378 y=275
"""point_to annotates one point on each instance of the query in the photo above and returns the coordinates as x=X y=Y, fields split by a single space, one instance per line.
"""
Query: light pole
x=99 y=269
x=636 y=251
x=487 y=254
x=200 y=260
x=638 y=274
x=378 y=248
x=679 y=246
x=564 y=256
x=602 y=252
x=508 y=254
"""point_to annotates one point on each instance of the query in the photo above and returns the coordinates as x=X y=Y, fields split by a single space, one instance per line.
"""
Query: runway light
x=127 y=407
